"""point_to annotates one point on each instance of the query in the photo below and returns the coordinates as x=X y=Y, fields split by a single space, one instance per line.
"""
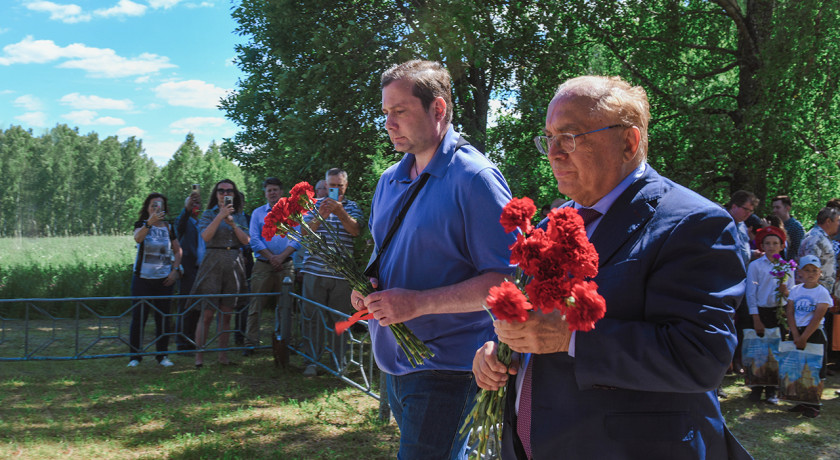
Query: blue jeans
x=430 y=407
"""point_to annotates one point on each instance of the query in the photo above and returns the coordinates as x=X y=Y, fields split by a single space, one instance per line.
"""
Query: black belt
x=287 y=259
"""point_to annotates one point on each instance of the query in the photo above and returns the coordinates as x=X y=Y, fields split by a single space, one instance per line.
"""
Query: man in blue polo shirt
x=436 y=271
x=274 y=262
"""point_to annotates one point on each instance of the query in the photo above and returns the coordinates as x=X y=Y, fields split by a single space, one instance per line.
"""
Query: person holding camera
x=224 y=229
x=321 y=283
x=186 y=226
x=156 y=269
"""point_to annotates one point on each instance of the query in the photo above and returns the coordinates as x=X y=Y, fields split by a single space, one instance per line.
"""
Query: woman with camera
x=156 y=268
x=224 y=229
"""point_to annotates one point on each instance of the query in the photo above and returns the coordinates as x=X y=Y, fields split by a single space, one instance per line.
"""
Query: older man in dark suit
x=641 y=384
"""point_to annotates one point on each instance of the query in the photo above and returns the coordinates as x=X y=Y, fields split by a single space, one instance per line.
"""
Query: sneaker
x=310 y=371
x=772 y=400
x=165 y=362
x=133 y=363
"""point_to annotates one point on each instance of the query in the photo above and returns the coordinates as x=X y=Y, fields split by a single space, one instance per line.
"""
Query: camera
x=334 y=193
x=195 y=187
x=228 y=200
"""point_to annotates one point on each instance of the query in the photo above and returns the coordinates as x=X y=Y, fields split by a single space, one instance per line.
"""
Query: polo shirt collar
x=443 y=157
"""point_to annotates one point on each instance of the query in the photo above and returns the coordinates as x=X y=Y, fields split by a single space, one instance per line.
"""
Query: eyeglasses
x=225 y=191
x=564 y=141
x=749 y=211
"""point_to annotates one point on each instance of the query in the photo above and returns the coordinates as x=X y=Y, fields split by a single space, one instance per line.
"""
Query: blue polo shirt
x=450 y=234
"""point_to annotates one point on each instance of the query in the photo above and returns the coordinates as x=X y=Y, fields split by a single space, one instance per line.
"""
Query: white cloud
x=199 y=5
x=109 y=121
x=89 y=117
x=161 y=152
x=191 y=93
x=33 y=119
x=123 y=8
x=97 y=62
x=78 y=101
x=129 y=131
x=29 y=102
x=143 y=79
x=166 y=4
x=211 y=126
x=65 y=13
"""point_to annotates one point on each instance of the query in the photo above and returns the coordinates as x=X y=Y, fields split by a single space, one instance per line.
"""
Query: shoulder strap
x=373 y=266
x=398 y=220
x=462 y=141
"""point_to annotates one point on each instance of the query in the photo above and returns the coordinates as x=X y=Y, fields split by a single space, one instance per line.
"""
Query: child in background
x=762 y=299
x=806 y=310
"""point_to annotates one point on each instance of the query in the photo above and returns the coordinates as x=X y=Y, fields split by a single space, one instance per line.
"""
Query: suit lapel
x=633 y=209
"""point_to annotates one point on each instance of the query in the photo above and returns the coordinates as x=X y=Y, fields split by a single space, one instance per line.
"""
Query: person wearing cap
x=762 y=298
x=806 y=308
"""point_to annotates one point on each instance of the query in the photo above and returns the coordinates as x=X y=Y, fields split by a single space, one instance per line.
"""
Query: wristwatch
x=146 y=223
x=180 y=268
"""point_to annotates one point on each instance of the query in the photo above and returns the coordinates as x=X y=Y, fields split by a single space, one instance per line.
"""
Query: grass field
x=101 y=409
x=78 y=266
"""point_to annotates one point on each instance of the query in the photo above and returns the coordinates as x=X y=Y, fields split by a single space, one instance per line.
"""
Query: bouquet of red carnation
x=554 y=272
x=287 y=215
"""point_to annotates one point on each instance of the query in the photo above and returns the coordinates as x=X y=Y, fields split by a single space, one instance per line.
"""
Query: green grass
x=770 y=432
x=79 y=266
x=101 y=409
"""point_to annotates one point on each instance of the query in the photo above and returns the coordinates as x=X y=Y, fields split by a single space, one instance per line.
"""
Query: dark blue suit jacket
x=641 y=384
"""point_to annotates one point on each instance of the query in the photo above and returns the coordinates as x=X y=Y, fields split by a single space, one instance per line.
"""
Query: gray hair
x=335 y=172
x=612 y=95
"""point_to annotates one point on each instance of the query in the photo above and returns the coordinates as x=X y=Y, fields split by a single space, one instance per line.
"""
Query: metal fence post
x=384 y=408
x=283 y=315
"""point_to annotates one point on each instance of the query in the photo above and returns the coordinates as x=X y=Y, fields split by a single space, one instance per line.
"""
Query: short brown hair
x=783 y=198
x=430 y=80
x=742 y=197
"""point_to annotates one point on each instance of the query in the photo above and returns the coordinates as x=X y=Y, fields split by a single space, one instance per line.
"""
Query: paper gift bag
x=760 y=357
x=799 y=373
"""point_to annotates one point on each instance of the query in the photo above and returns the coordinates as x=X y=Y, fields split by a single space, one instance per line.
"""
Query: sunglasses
x=224 y=191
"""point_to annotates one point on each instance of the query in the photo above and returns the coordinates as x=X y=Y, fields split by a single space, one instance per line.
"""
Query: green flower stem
x=337 y=257
x=486 y=416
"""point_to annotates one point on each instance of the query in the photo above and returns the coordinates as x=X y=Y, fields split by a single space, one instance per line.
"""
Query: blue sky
x=154 y=69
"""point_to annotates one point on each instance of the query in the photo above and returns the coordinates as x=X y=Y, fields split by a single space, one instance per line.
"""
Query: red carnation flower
x=269 y=230
x=587 y=307
x=528 y=252
x=508 y=303
x=300 y=196
x=518 y=214
x=549 y=294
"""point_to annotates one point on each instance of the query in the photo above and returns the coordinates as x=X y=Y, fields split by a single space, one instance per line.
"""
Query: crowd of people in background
x=221 y=250
x=806 y=301
x=672 y=275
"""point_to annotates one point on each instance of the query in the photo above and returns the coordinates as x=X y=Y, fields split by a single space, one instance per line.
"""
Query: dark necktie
x=523 y=420
x=589 y=215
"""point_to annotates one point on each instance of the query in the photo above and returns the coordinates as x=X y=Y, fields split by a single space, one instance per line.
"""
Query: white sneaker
x=310 y=371
x=133 y=363
x=165 y=362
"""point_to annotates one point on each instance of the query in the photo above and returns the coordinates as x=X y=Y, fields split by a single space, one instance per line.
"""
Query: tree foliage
x=742 y=91
x=63 y=183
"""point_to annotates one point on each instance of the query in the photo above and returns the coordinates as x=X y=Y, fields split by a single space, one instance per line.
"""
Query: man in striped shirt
x=320 y=283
